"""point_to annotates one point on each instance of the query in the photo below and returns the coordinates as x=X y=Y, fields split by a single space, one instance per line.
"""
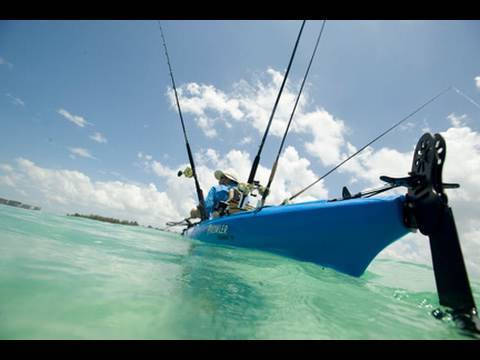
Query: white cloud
x=7 y=180
x=81 y=152
x=407 y=126
x=205 y=97
x=477 y=81
x=98 y=138
x=462 y=164
x=246 y=140
x=252 y=102
x=293 y=174
x=141 y=155
x=77 y=120
x=455 y=120
x=328 y=134
x=74 y=191
x=370 y=164
x=11 y=178
x=256 y=100
x=414 y=247
x=6 y=168
x=207 y=125
x=15 y=100
x=161 y=170
x=3 y=61
x=200 y=100
x=22 y=192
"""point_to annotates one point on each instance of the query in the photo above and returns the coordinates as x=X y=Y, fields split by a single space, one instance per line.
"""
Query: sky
x=89 y=124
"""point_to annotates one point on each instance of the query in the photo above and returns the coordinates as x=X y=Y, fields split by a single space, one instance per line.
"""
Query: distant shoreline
x=18 y=204
x=113 y=220
x=105 y=219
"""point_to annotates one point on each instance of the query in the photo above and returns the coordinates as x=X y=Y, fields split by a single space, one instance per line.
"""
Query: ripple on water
x=64 y=277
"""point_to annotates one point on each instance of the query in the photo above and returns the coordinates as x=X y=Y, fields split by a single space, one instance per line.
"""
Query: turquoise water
x=73 y=278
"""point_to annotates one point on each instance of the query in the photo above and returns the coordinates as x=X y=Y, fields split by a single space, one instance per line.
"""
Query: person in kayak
x=217 y=194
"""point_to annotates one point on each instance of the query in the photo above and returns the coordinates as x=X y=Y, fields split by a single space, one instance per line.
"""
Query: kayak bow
x=345 y=235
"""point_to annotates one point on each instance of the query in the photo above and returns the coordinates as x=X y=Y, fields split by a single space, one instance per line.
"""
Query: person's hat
x=220 y=173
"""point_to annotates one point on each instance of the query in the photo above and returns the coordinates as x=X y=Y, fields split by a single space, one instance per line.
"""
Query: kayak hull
x=345 y=235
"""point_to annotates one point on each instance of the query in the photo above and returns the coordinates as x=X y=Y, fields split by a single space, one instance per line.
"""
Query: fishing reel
x=425 y=197
x=252 y=189
x=188 y=172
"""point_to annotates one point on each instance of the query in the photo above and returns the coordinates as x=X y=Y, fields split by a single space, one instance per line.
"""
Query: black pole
x=275 y=164
x=189 y=151
x=253 y=171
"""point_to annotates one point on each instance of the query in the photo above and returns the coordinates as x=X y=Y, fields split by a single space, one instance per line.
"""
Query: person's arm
x=221 y=193
x=210 y=201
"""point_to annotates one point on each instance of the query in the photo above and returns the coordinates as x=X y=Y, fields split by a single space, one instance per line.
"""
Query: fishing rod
x=253 y=170
x=201 y=199
x=365 y=146
x=275 y=164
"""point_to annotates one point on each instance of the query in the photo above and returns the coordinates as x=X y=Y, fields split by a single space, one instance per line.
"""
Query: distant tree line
x=18 y=204
x=105 y=219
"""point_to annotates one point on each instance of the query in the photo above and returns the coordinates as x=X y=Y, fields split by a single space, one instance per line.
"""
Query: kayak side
x=345 y=235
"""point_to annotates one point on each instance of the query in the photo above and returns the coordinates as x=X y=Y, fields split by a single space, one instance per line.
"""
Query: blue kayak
x=345 y=235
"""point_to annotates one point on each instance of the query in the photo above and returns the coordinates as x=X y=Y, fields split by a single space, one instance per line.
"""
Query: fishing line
x=370 y=143
x=370 y=193
x=189 y=151
x=251 y=177
x=275 y=164
x=466 y=97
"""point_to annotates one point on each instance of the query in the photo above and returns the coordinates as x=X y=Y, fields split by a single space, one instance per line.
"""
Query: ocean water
x=71 y=278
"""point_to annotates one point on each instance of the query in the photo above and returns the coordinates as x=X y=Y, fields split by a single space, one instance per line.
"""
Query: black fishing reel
x=425 y=187
x=427 y=167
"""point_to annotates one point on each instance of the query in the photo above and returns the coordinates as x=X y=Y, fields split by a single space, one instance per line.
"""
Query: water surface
x=73 y=278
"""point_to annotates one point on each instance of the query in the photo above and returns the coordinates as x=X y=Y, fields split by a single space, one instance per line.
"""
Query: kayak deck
x=345 y=235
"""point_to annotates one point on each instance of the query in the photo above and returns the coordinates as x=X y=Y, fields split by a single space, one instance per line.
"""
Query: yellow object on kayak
x=187 y=172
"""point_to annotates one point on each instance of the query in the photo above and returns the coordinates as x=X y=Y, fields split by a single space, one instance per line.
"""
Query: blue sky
x=113 y=74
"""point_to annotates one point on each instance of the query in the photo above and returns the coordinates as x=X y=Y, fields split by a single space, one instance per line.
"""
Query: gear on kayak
x=227 y=197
